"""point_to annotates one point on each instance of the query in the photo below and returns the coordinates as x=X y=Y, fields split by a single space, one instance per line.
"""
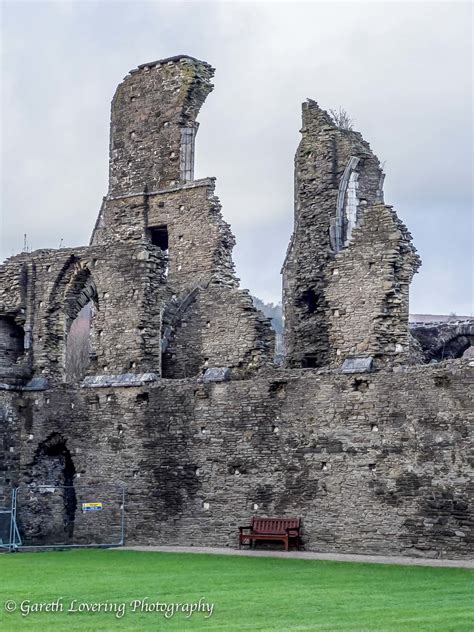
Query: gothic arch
x=73 y=289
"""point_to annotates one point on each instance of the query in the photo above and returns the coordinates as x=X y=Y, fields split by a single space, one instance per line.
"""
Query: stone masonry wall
x=373 y=462
x=149 y=109
x=125 y=284
x=220 y=328
x=367 y=294
x=368 y=470
x=321 y=237
x=151 y=201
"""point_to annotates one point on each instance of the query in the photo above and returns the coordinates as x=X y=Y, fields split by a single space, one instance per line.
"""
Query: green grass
x=248 y=593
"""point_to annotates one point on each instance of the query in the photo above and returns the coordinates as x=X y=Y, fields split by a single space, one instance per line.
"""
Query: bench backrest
x=274 y=525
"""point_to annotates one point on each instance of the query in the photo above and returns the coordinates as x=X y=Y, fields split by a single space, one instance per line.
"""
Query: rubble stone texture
x=364 y=433
x=350 y=261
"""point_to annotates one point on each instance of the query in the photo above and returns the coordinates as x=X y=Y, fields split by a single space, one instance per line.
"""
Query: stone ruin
x=364 y=431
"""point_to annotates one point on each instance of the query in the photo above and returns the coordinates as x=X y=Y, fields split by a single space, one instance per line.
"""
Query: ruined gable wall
x=369 y=471
x=367 y=293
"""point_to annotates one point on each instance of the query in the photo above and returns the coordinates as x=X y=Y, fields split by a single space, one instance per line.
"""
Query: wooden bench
x=285 y=530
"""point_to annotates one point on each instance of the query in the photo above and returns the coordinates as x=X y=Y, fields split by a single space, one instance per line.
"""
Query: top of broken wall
x=150 y=108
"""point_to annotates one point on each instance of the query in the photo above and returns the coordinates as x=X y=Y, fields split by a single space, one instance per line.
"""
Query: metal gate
x=69 y=516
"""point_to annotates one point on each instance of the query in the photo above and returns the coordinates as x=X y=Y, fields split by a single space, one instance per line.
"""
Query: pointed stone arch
x=73 y=289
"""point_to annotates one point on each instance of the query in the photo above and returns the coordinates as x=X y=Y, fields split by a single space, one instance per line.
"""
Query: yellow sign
x=91 y=506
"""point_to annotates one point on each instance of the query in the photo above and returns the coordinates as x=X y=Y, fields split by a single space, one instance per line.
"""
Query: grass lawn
x=268 y=594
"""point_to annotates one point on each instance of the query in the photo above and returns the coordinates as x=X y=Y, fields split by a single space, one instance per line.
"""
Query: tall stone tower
x=350 y=260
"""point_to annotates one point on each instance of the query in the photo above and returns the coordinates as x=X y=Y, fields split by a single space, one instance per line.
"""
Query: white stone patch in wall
x=255 y=507
x=206 y=506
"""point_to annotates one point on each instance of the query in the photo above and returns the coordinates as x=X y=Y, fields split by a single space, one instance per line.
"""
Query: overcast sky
x=402 y=71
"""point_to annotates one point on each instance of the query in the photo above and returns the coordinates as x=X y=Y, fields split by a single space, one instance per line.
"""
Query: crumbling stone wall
x=151 y=111
x=367 y=293
x=338 y=200
x=441 y=341
x=153 y=199
x=219 y=328
x=368 y=470
x=125 y=284
x=374 y=462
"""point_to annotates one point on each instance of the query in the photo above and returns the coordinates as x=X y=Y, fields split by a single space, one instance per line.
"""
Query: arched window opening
x=350 y=209
x=80 y=303
x=78 y=345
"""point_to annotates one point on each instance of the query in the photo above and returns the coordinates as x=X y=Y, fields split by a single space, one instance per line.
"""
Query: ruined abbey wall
x=369 y=470
x=350 y=260
x=45 y=291
x=182 y=403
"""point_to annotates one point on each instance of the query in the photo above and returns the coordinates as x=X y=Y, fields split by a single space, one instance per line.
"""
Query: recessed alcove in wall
x=310 y=300
x=360 y=385
x=12 y=343
x=142 y=398
x=310 y=361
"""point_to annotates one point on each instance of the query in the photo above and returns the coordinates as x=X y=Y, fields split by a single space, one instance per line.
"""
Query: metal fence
x=67 y=516
x=9 y=535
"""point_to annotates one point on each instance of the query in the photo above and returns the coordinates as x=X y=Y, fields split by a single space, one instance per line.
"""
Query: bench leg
x=286 y=544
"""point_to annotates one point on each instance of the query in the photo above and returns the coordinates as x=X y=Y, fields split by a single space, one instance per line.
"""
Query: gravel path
x=308 y=555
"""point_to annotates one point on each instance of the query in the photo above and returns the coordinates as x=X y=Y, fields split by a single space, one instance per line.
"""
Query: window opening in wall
x=78 y=346
x=159 y=236
x=351 y=206
x=188 y=135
